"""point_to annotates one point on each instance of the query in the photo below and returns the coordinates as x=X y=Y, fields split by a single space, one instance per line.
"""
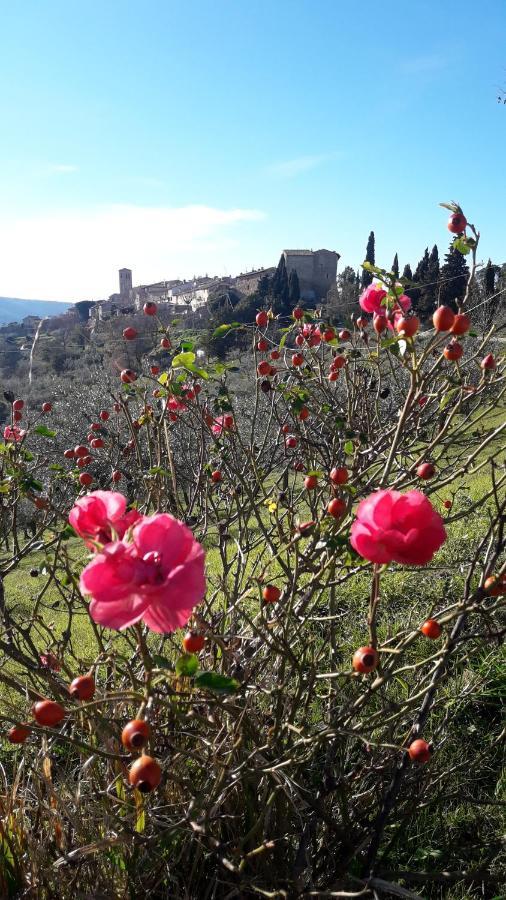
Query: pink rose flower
x=395 y=527
x=98 y=514
x=14 y=433
x=50 y=661
x=370 y=299
x=222 y=423
x=158 y=578
x=175 y=405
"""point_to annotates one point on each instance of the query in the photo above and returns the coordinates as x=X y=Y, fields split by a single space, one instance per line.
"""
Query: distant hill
x=14 y=310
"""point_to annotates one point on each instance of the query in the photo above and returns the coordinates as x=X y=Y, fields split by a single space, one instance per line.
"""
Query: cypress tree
x=429 y=292
x=407 y=273
x=488 y=279
x=419 y=277
x=395 y=266
x=453 y=278
x=369 y=257
x=293 y=289
x=263 y=287
x=279 y=288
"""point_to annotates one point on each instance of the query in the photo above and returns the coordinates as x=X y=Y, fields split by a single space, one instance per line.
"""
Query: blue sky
x=179 y=137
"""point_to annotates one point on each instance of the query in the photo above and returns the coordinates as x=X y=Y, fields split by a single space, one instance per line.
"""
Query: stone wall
x=317 y=271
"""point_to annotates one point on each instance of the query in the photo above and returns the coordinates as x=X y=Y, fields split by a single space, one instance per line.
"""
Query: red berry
x=145 y=774
x=117 y=407
x=426 y=470
x=291 y=442
x=407 y=326
x=48 y=712
x=298 y=465
x=155 y=370
x=496 y=586
x=297 y=359
x=443 y=318
x=457 y=223
x=18 y=404
x=69 y=454
x=299 y=340
x=165 y=343
x=264 y=368
x=339 y=475
x=328 y=335
x=304 y=414
x=216 y=476
x=336 y=508
x=305 y=527
x=419 y=751
x=344 y=335
x=228 y=421
x=431 y=629
x=275 y=354
x=135 y=734
x=298 y=313
x=365 y=659
x=422 y=401
x=17 y=415
x=104 y=415
x=95 y=426
x=18 y=734
x=97 y=443
x=488 y=362
x=285 y=429
x=447 y=504
x=127 y=376
x=271 y=593
x=129 y=333
x=82 y=688
x=379 y=323
x=333 y=376
x=41 y=503
x=453 y=351
x=80 y=450
x=116 y=476
x=311 y=482
x=193 y=642
x=149 y=308
x=461 y=324
x=261 y=319
x=85 y=479
x=337 y=363
x=262 y=345
x=362 y=322
x=46 y=407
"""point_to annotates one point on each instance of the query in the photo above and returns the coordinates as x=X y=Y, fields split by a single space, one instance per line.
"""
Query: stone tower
x=317 y=271
x=125 y=283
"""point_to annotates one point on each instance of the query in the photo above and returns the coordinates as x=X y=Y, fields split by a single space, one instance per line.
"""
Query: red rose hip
x=145 y=774
x=135 y=734
x=419 y=751
x=365 y=660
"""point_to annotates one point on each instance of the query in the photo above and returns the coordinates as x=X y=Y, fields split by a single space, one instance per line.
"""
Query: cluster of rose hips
x=457 y=324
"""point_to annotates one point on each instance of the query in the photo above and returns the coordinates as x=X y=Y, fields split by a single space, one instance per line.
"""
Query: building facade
x=316 y=270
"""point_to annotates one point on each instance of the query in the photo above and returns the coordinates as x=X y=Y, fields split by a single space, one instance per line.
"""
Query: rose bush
x=329 y=718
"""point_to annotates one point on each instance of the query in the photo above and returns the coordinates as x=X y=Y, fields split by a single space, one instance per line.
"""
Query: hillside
x=12 y=309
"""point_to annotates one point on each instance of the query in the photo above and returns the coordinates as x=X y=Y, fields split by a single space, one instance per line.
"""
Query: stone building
x=247 y=282
x=125 y=283
x=316 y=269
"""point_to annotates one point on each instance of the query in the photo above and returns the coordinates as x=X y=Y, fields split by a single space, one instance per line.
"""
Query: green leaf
x=187 y=346
x=161 y=662
x=224 y=329
x=183 y=360
x=461 y=244
x=187 y=665
x=348 y=447
x=164 y=377
x=283 y=340
x=213 y=681
x=157 y=470
x=68 y=532
x=445 y=400
x=4 y=487
x=44 y=431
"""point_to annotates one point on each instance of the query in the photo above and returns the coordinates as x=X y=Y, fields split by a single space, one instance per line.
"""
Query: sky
x=185 y=137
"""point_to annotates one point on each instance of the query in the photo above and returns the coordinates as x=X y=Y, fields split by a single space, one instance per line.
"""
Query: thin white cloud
x=420 y=65
x=289 y=168
x=75 y=255
x=62 y=169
